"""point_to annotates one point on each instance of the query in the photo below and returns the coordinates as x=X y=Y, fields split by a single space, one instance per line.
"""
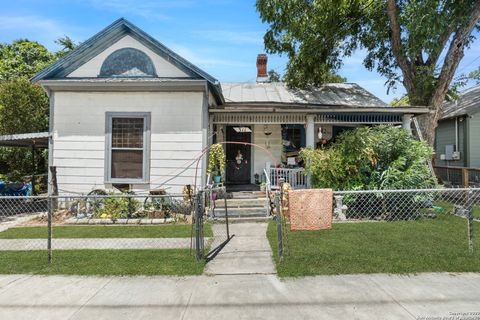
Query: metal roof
x=25 y=140
x=467 y=103
x=333 y=94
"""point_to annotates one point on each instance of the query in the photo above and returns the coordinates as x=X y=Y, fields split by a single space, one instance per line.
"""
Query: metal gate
x=211 y=222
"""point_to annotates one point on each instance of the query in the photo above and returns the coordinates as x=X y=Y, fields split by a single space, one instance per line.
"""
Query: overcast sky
x=223 y=37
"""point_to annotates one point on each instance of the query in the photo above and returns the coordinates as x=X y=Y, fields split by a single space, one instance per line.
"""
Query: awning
x=38 y=140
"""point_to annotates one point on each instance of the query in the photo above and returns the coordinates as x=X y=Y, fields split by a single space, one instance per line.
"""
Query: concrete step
x=248 y=194
x=241 y=203
x=242 y=212
x=247 y=219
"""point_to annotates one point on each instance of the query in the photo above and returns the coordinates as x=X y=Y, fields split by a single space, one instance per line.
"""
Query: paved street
x=238 y=297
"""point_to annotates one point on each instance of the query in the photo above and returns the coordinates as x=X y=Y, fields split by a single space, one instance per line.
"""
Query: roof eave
x=303 y=107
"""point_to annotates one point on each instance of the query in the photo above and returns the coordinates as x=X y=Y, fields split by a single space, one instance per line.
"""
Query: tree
x=24 y=106
x=23 y=59
x=23 y=109
x=274 y=76
x=404 y=41
x=67 y=45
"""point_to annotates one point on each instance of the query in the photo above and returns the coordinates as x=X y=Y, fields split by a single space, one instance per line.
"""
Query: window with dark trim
x=127 y=136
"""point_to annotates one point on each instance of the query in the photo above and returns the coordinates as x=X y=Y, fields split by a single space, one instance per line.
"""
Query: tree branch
x=442 y=41
x=454 y=55
x=396 y=42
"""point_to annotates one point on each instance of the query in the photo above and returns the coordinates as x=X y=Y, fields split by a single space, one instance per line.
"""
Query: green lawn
x=112 y=231
x=449 y=208
x=102 y=262
x=428 y=245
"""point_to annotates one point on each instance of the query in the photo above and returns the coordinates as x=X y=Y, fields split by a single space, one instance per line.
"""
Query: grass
x=116 y=231
x=449 y=208
x=102 y=262
x=427 y=245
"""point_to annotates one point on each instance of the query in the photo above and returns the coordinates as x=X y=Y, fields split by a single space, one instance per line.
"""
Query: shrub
x=216 y=160
x=381 y=157
x=118 y=208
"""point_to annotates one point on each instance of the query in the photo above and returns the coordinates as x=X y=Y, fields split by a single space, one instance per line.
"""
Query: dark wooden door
x=238 y=155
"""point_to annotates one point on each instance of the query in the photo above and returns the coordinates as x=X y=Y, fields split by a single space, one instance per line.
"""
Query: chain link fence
x=432 y=209
x=213 y=212
x=98 y=222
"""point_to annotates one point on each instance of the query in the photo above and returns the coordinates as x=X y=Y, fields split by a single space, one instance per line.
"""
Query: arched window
x=127 y=62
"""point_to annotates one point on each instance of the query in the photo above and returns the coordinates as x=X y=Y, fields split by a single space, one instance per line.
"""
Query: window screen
x=127 y=148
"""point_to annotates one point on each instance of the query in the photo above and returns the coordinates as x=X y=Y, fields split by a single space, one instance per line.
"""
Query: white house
x=126 y=110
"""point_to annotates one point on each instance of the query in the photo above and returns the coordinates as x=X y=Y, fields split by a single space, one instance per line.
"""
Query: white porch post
x=310 y=131
x=407 y=123
x=310 y=139
x=210 y=130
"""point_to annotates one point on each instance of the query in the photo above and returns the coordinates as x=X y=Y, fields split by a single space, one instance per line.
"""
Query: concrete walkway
x=248 y=252
x=96 y=243
x=240 y=297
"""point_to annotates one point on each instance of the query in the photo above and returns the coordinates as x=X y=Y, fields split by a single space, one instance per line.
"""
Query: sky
x=223 y=37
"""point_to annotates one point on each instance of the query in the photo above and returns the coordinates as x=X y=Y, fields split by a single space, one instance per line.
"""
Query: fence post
x=53 y=172
x=465 y=178
x=278 y=203
x=198 y=225
x=469 y=208
x=226 y=214
x=49 y=226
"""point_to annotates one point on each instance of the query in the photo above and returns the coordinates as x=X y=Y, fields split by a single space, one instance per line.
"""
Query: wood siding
x=79 y=137
x=445 y=135
x=474 y=141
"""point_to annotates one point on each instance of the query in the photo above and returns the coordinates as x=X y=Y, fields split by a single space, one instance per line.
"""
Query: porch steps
x=243 y=206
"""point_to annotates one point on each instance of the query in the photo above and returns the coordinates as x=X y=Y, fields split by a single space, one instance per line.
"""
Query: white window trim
x=146 y=146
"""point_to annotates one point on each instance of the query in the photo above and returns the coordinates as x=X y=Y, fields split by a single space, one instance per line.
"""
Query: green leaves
x=216 y=160
x=23 y=109
x=317 y=35
x=23 y=59
x=382 y=157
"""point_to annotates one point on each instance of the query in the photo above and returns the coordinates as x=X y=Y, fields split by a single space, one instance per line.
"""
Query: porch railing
x=295 y=177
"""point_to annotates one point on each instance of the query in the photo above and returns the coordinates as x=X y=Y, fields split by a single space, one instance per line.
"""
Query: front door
x=238 y=155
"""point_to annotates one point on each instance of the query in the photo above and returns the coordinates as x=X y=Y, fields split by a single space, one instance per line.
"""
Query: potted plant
x=216 y=162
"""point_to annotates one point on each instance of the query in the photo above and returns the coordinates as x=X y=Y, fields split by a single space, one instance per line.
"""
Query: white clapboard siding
x=176 y=146
x=194 y=136
x=79 y=154
x=76 y=163
x=176 y=136
x=171 y=163
x=168 y=172
x=174 y=155
x=80 y=180
x=178 y=181
x=79 y=145
x=81 y=171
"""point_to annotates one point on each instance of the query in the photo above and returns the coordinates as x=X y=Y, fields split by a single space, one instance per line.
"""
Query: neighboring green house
x=458 y=132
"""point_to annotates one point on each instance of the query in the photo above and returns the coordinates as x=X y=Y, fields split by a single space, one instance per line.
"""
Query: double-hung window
x=127 y=157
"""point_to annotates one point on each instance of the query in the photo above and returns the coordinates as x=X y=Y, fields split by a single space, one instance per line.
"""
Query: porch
x=266 y=145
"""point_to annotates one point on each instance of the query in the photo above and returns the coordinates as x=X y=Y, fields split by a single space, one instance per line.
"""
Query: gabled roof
x=467 y=103
x=105 y=38
x=332 y=94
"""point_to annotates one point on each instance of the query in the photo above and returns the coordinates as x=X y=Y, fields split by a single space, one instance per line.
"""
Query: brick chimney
x=262 y=68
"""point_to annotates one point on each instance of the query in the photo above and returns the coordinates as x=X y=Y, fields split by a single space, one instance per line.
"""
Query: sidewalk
x=96 y=243
x=248 y=252
x=239 y=297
